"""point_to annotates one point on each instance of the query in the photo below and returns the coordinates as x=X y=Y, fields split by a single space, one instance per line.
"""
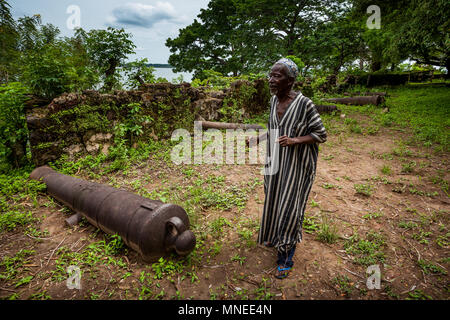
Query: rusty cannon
x=359 y=100
x=150 y=227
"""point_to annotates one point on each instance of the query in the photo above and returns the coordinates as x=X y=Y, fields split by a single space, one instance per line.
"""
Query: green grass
x=364 y=189
x=11 y=267
x=423 y=109
x=430 y=268
x=327 y=231
x=343 y=284
x=366 y=251
x=386 y=170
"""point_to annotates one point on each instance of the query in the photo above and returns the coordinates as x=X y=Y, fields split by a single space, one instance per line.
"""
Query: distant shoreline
x=160 y=65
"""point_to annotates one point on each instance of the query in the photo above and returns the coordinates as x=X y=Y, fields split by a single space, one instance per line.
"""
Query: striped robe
x=287 y=189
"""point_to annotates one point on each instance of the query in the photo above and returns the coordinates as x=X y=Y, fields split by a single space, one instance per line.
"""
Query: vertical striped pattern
x=287 y=190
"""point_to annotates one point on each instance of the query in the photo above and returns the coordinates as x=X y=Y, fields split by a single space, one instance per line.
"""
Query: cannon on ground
x=359 y=101
x=150 y=227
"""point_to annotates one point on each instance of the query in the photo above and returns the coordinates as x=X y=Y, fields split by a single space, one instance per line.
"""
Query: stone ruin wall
x=83 y=123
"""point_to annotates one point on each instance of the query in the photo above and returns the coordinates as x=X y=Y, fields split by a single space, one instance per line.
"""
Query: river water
x=168 y=74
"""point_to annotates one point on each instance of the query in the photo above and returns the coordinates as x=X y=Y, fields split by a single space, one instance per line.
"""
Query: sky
x=150 y=22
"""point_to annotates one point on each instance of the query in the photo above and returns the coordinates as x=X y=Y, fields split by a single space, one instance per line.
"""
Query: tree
x=8 y=42
x=423 y=32
x=138 y=72
x=243 y=36
x=107 y=49
x=333 y=44
x=207 y=43
x=412 y=29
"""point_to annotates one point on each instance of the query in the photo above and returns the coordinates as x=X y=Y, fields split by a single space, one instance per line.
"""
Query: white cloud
x=143 y=15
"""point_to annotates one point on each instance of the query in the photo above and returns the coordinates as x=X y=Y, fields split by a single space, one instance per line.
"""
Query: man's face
x=278 y=80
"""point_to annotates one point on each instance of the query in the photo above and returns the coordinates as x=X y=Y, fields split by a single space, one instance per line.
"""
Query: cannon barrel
x=150 y=227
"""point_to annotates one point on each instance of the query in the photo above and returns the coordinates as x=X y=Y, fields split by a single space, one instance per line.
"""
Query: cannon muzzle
x=150 y=227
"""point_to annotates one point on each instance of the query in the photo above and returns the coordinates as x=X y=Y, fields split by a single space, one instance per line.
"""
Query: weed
x=408 y=167
x=238 y=258
x=441 y=182
x=343 y=284
x=443 y=241
x=372 y=130
x=217 y=226
x=247 y=235
x=327 y=232
x=330 y=186
x=422 y=236
x=407 y=224
x=418 y=295
x=165 y=267
x=390 y=293
x=386 y=170
x=372 y=215
x=11 y=266
x=217 y=247
x=314 y=204
x=23 y=281
x=364 y=189
x=309 y=224
x=262 y=292
x=40 y=296
x=9 y=220
x=366 y=251
x=429 y=267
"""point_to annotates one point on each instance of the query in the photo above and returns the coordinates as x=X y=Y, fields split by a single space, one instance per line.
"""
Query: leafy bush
x=13 y=129
x=47 y=71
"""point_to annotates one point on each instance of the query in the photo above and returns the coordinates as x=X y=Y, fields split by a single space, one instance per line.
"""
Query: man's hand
x=285 y=141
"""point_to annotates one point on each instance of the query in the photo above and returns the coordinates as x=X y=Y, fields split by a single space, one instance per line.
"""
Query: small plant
x=11 y=266
x=366 y=251
x=40 y=296
x=418 y=295
x=165 y=267
x=386 y=170
x=422 y=236
x=238 y=258
x=309 y=224
x=262 y=292
x=330 y=186
x=407 y=224
x=218 y=224
x=327 y=232
x=247 y=235
x=364 y=189
x=429 y=267
x=115 y=244
x=343 y=284
x=408 y=167
x=9 y=220
x=443 y=241
x=372 y=130
x=372 y=215
x=314 y=204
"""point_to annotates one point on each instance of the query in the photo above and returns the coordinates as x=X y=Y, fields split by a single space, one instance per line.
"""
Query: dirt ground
x=403 y=205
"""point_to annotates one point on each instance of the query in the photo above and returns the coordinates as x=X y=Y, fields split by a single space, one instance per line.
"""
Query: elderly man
x=298 y=129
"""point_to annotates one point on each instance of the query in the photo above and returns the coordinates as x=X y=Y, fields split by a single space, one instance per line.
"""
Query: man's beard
x=273 y=91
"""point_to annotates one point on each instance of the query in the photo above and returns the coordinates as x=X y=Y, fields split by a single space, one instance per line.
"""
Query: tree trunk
x=447 y=66
x=109 y=74
x=375 y=66
x=224 y=125
x=17 y=158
